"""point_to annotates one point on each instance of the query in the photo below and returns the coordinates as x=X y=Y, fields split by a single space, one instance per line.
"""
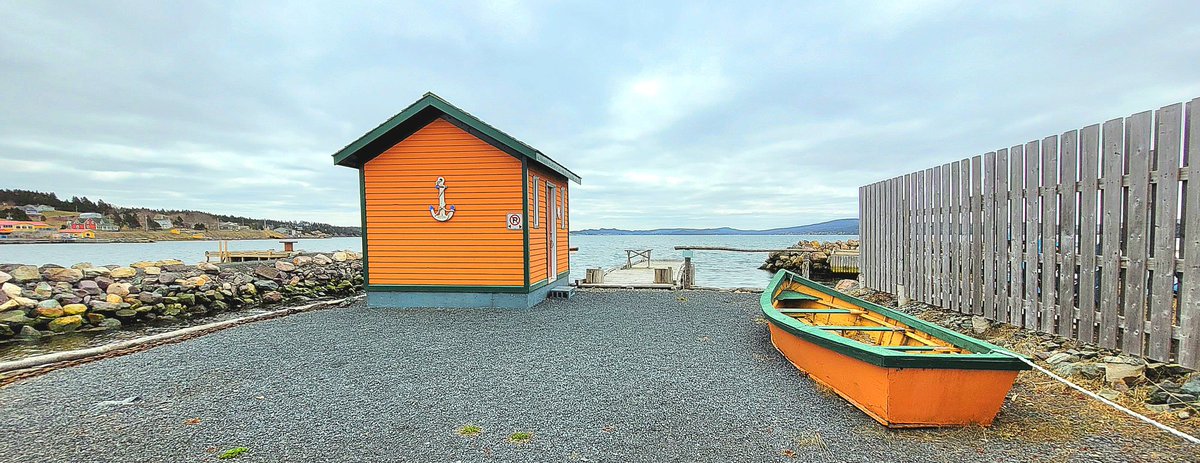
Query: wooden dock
x=654 y=274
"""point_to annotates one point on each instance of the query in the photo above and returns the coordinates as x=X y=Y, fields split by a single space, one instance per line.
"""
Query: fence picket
x=1089 y=221
x=975 y=227
x=1032 y=232
x=1068 y=155
x=1048 y=246
x=987 y=236
x=1189 y=293
x=1138 y=133
x=1002 y=235
x=1110 y=232
x=1016 y=307
x=1165 y=208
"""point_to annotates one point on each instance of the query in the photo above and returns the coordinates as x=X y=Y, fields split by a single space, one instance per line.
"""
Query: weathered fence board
x=1137 y=152
x=1092 y=234
x=1189 y=293
x=1089 y=223
x=1032 y=232
x=1016 y=310
x=1047 y=245
x=1002 y=235
x=1165 y=205
x=1110 y=232
x=1068 y=156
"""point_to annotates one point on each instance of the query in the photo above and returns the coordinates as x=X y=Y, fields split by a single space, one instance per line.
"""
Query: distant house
x=30 y=210
x=285 y=231
x=163 y=222
x=231 y=226
x=74 y=233
x=93 y=221
x=22 y=226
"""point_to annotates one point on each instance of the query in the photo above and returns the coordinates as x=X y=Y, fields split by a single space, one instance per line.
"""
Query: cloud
x=678 y=115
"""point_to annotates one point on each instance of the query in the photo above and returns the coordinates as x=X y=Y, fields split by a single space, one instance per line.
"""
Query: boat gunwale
x=981 y=356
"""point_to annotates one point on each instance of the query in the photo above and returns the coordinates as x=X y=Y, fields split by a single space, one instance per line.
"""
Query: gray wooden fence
x=1093 y=234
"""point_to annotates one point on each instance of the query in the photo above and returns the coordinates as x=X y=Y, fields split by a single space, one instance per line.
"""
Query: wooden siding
x=537 y=236
x=406 y=246
x=1094 y=235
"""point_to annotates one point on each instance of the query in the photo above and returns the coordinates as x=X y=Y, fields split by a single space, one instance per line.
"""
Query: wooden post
x=594 y=276
x=663 y=276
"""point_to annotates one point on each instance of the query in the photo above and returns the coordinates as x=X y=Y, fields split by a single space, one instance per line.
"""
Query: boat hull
x=901 y=397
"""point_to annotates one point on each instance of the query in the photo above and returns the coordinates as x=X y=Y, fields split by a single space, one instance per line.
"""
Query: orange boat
x=902 y=371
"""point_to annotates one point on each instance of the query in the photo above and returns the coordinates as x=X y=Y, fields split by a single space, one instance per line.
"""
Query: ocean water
x=719 y=269
x=713 y=268
x=190 y=252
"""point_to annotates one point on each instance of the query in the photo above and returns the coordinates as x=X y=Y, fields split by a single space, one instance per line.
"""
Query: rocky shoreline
x=1168 y=392
x=51 y=299
x=815 y=253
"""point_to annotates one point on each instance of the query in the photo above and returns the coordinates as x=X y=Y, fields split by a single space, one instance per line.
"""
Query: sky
x=675 y=114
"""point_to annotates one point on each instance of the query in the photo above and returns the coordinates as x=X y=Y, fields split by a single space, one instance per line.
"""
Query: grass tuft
x=520 y=437
x=469 y=430
x=232 y=453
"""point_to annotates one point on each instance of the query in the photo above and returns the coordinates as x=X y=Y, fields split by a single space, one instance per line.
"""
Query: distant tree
x=153 y=224
x=200 y=226
x=14 y=213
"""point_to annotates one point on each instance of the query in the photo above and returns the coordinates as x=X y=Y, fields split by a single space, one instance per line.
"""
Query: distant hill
x=135 y=218
x=832 y=227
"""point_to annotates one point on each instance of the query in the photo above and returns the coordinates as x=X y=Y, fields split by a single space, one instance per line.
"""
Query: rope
x=1176 y=432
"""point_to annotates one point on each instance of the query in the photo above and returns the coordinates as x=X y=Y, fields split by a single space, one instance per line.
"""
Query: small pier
x=224 y=255
x=640 y=271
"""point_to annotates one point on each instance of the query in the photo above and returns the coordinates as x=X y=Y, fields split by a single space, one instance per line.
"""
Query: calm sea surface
x=713 y=268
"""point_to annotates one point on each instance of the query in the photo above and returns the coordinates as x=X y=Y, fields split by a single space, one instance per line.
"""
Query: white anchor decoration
x=441 y=213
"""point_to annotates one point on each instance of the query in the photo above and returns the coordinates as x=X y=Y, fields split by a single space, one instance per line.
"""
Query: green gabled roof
x=421 y=113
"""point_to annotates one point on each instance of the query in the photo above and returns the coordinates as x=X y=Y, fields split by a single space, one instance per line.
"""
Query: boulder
x=980 y=325
x=69 y=275
x=301 y=261
x=1123 y=373
x=29 y=332
x=15 y=316
x=194 y=282
x=1061 y=357
x=208 y=267
x=142 y=264
x=43 y=290
x=167 y=278
x=322 y=259
x=150 y=298
x=1192 y=387
x=114 y=299
x=4 y=277
x=126 y=313
x=266 y=285
x=269 y=273
x=123 y=272
x=284 y=266
x=23 y=302
x=49 y=304
x=109 y=324
x=89 y=287
x=49 y=312
x=341 y=256
x=25 y=274
x=272 y=297
x=102 y=282
x=11 y=290
x=94 y=318
x=93 y=272
x=82 y=265
x=74 y=309
x=152 y=270
x=65 y=324
x=118 y=289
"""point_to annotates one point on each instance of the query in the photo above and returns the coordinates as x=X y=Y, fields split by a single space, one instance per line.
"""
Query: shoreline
x=148 y=241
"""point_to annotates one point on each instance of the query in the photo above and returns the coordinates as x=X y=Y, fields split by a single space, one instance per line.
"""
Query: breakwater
x=815 y=253
x=42 y=300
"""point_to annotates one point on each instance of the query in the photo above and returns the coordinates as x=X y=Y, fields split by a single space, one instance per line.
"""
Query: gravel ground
x=605 y=376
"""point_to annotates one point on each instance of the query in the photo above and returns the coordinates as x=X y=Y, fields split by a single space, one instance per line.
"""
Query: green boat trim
x=983 y=356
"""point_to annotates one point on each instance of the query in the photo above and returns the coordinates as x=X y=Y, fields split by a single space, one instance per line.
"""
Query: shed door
x=551 y=234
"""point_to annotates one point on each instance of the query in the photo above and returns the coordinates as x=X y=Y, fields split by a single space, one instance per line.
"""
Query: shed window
x=562 y=209
x=536 y=215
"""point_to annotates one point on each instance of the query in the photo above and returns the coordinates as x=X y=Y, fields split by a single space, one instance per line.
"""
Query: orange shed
x=456 y=213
